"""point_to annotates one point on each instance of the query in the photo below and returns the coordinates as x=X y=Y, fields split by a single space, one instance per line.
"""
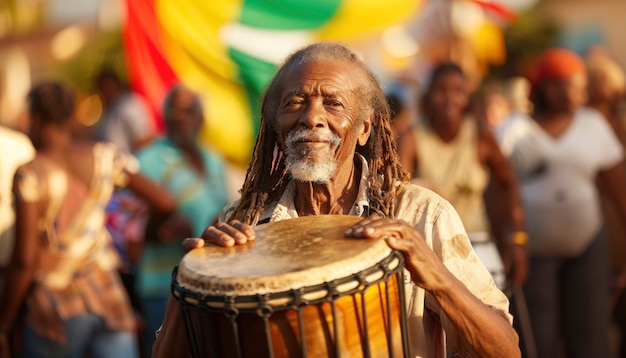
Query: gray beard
x=300 y=165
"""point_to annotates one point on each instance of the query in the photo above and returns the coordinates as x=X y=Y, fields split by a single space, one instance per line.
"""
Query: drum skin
x=300 y=289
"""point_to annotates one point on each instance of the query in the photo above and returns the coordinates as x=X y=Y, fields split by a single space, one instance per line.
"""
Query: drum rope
x=231 y=313
x=265 y=305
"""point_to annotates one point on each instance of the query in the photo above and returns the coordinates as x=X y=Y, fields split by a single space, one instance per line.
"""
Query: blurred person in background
x=450 y=153
x=501 y=102
x=62 y=273
x=127 y=122
x=15 y=150
x=196 y=177
x=607 y=90
x=400 y=116
x=557 y=156
x=126 y=119
x=496 y=106
x=516 y=90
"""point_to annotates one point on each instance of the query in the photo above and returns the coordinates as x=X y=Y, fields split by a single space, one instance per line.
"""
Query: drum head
x=285 y=255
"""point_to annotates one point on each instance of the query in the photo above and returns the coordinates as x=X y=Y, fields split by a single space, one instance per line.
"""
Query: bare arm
x=503 y=174
x=614 y=180
x=20 y=273
x=142 y=142
x=154 y=194
x=409 y=158
x=515 y=255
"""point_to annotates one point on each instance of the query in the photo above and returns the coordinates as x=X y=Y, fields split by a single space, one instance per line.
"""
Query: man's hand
x=427 y=270
x=222 y=234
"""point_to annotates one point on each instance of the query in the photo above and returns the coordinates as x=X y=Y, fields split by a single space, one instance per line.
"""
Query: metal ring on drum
x=299 y=289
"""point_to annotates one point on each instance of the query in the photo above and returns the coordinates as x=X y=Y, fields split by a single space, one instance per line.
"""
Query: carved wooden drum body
x=300 y=289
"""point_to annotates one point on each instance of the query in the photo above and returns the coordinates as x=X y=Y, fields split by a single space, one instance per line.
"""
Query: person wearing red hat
x=557 y=155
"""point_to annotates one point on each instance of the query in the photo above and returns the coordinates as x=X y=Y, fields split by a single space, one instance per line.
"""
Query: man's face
x=107 y=88
x=566 y=94
x=448 y=97
x=318 y=119
x=184 y=120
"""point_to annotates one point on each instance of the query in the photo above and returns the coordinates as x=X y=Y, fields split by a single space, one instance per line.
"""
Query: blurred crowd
x=91 y=220
x=534 y=166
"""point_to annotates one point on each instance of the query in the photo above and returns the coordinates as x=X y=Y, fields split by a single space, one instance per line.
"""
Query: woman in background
x=451 y=154
x=63 y=269
x=557 y=156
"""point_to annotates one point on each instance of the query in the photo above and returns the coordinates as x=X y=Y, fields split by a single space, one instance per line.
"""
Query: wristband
x=519 y=238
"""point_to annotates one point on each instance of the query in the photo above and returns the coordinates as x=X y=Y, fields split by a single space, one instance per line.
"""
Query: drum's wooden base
x=345 y=328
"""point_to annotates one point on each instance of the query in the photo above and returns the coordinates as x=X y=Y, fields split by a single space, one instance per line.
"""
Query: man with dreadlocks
x=325 y=146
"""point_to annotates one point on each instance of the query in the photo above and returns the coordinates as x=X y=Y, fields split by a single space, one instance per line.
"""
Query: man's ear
x=366 y=130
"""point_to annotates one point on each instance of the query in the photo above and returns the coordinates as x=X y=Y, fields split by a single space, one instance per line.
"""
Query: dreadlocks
x=261 y=187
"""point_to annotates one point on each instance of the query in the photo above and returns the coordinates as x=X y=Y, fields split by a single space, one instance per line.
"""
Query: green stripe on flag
x=287 y=14
x=256 y=75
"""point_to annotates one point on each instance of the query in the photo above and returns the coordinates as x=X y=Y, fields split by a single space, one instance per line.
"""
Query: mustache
x=309 y=135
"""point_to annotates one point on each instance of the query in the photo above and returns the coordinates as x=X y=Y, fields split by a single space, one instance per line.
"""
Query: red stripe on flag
x=149 y=72
x=499 y=9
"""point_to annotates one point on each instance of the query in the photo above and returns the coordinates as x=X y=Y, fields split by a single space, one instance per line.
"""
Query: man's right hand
x=222 y=234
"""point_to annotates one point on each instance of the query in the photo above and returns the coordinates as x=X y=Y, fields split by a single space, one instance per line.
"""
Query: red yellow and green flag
x=227 y=50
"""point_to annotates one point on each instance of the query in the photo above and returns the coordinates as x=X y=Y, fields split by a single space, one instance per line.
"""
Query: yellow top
x=456 y=171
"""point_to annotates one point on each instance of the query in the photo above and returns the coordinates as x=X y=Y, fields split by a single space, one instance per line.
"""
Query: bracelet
x=519 y=238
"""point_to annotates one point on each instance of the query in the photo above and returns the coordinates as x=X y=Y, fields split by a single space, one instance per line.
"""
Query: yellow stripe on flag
x=200 y=59
x=358 y=19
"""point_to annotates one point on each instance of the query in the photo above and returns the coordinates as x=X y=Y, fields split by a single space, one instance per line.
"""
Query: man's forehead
x=332 y=74
x=184 y=97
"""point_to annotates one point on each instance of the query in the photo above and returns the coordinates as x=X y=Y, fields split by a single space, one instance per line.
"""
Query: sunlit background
x=228 y=49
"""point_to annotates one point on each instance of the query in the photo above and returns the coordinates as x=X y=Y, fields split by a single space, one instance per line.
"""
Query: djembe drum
x=300 y=289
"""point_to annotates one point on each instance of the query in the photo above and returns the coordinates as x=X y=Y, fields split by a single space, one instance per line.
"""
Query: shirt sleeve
x=151 y=162
x=124 y=164
x=137 y=118
x=443 y=232
x=455 y=249
x=609 y=149
x=227 y=211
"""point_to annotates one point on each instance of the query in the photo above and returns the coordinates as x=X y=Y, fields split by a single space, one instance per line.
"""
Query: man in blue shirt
x=196 y=178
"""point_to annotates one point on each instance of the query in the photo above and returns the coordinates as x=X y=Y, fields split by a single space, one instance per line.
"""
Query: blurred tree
x=526 y=38
x=105 y=49
x=22 y=16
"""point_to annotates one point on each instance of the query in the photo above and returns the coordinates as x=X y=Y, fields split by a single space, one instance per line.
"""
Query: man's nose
x=314 y=116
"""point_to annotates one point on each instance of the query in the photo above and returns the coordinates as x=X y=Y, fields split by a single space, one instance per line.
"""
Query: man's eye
x=294 y=102
x=334 y=103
